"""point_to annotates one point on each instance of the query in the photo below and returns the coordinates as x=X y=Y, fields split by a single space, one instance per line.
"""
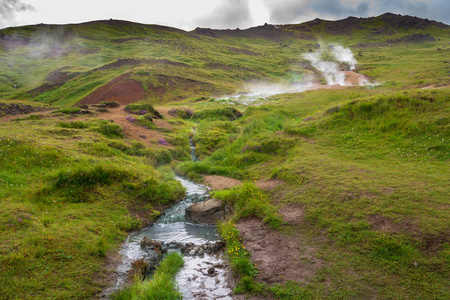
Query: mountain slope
x=64 y=64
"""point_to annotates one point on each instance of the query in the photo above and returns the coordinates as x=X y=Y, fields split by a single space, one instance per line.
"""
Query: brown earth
x=131 y=130
x=122 y=89
x=217 y=182
x=279 y=258
x=353 y=78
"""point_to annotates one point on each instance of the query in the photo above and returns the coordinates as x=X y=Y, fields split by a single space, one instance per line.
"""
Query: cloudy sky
x=189 y=14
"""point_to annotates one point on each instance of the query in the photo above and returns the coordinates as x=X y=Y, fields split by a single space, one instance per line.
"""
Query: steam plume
x=329 y=69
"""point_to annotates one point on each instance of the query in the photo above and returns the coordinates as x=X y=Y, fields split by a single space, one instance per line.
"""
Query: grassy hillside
x=70 y=191
x=363 y=169
x=370 y=175
x=62 y=64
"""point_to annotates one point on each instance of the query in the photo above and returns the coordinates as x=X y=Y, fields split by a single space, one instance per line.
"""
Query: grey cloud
x=291 y=11
x=9 y=9
x=229 y=14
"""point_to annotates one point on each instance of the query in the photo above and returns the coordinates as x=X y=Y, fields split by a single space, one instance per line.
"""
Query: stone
x=211 y=271
x=207 y=212
x=192 y=252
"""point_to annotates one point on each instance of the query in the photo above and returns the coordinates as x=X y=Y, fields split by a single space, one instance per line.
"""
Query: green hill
x=63 y=64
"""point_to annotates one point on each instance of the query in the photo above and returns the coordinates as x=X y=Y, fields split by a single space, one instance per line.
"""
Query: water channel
x=193 y=279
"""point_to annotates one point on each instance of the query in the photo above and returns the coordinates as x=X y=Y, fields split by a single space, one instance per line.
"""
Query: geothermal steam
x=330 y=69
x=328 y=60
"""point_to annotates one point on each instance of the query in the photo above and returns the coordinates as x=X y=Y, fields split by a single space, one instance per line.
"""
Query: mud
x=295 y=262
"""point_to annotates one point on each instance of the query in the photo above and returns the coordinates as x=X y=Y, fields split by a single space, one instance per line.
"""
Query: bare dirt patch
x=131 y=130
x=217 y=182
x=292 y=213
x=279 y=258
x=381 y=223
x=269 y=185
x=122 y=89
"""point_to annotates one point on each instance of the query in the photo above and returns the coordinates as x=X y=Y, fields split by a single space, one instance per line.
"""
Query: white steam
x=330 y=69
x=344 y=55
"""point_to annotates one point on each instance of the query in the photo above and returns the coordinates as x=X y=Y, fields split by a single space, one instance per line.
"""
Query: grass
x=354 y=161
x=160 y=286
x=55 y=186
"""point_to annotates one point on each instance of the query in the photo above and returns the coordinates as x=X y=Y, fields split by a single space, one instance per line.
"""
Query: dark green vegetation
x=368 y=166
x=160 y=286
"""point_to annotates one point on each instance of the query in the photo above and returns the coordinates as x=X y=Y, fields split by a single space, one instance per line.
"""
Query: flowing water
x=193 y=279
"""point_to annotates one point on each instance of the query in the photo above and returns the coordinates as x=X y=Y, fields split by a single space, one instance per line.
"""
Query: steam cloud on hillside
x=330 y=69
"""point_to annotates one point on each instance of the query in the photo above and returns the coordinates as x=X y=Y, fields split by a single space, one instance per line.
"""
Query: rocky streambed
x=204 y=273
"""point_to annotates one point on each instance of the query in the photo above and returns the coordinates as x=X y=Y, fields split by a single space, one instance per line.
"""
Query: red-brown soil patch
x=279 y=258
x=122 y=89
x=353 y=78
x=217 y=182
x=131 y=130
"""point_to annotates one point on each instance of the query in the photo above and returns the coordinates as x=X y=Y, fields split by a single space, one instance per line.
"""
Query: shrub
x=160 y=193
x=74 y=124
x=142 y=109
x=224 y=114
x=69 y=110
x=110 y=130
x=249 y=200
x=77 y=185
x=183 y=113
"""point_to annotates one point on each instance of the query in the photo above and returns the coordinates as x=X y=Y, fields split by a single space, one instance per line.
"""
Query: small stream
x=193 y=279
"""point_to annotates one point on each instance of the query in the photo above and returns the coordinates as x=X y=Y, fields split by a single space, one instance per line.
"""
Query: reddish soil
x=353 y=78
x=279 y=258
x=133 y=131
x=122 y=89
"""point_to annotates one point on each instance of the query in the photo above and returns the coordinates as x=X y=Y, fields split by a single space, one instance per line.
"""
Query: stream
x=193 y=279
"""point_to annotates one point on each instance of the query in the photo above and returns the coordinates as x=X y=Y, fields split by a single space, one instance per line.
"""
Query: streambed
x=193 y=279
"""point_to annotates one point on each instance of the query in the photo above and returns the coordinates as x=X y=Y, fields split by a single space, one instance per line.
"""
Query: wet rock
x=207 y=212
x=211 y=271
x=158 y=247
x=192 y=252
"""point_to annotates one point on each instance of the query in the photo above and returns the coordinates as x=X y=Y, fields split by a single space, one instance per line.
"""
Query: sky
x=217 y=14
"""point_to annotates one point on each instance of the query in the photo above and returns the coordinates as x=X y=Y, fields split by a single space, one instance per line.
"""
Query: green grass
x=354 y=159
x=160 y=286
x=68 y=200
